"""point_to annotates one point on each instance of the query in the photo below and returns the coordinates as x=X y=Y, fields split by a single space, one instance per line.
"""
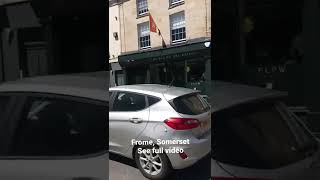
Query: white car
x=54 y=128
x=175 y=119
x=256 y=137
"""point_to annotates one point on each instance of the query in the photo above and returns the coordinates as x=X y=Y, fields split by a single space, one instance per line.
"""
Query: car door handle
x=135 y=120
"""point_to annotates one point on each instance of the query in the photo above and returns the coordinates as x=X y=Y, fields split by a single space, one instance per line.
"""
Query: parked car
x=256 y=137
x=159 y=112
x=54 y=128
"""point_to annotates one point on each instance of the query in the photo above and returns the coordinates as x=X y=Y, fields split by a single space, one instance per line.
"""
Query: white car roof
x=225 y=94
x=88 y=85
x=169 y=92
x=7 y=2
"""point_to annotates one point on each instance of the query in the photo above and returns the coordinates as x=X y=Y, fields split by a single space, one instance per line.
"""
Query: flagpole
x=162 y=38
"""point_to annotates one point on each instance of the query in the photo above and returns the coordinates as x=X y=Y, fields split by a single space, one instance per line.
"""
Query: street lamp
x=207 y=44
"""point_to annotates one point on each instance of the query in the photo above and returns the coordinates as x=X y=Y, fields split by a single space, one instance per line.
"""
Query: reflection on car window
x=254 y=135
x=36 y=109
x=126 y=101
x=3 y=105
x=56 y=127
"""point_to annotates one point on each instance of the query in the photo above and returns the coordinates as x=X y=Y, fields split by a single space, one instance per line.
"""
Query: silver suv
x=160 y=127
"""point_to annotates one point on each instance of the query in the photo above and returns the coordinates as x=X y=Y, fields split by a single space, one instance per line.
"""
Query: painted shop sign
x=271 y=69
x=174 y=56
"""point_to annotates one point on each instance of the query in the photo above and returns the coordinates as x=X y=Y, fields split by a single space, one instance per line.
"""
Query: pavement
x=121 y=168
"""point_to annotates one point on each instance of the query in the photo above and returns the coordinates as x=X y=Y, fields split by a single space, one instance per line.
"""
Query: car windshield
x=259 y=135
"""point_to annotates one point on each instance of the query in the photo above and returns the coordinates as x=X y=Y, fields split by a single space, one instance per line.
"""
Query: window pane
x=54 y=127
x=184 y=34
x=129 y=102
x=177 y=20
x=144 y=34
x=142 y=6
x=177 y=25
x=120 y=78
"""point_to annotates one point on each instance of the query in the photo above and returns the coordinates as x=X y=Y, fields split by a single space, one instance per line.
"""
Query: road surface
x=121 y=168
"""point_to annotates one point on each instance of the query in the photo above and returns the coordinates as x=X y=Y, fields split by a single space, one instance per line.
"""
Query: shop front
x=184 y=66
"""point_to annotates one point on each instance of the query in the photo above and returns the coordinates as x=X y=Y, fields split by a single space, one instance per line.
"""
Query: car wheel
x=154 y=166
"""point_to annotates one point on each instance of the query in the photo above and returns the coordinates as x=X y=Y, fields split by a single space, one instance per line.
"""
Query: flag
x=153 y=26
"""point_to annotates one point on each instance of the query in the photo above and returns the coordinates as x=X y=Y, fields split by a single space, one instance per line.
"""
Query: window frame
x=139 y=35
x=138 y=8
x=183 y=40
x=173 y=4
x=21 y=99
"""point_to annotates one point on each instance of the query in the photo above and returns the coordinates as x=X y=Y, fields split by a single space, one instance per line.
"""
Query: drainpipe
x=206 y=17
x=124 y=27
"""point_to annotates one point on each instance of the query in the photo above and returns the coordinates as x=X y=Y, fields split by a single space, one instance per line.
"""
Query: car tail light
x=183 y=155
x=182 y=123
x=236 y=178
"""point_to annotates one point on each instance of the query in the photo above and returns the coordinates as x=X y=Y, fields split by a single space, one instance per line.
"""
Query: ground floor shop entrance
x=183 y=66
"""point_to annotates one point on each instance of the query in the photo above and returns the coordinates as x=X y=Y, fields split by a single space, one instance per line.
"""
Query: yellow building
x=179 y=21
x=164 y=41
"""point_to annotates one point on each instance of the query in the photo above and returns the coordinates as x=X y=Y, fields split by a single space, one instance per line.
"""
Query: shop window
x=119 y=77
x=195 y=70
x=136 y=75
x=142 y=7
x=144 y=35
x=160 y=74
x=178 y=73
x=178 y=27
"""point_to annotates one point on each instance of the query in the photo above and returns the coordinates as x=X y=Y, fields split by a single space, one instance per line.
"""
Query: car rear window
x=191 y=104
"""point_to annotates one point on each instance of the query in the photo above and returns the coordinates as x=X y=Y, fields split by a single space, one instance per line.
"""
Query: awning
x=178 y=53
